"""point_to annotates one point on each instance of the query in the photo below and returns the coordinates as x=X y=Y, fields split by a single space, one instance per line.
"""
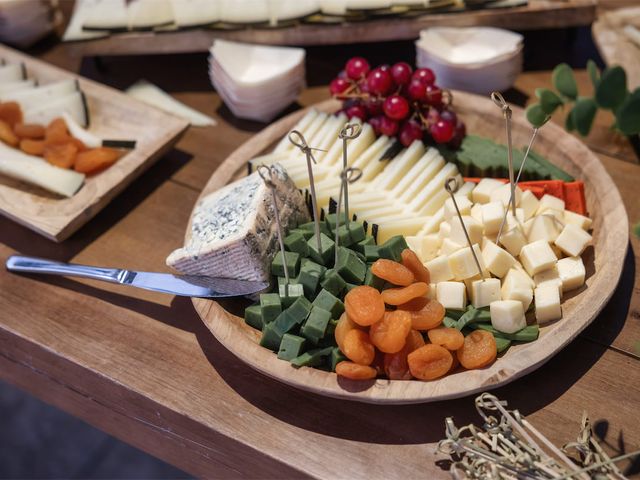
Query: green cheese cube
x=351 y=286
x=285 y=323
x=300 y=309
x=311 y=227
x=307 y=234
x=356 y=232
x=331 y=327
x=271 y=337
x=368 y=240
x=291 y=262
x=311 y=266
x=253 y=316
x=333 y=282
x=392 y=248
x=296 y=242
x=312 y=358
x=309 y=281
x=336 y=357
x=270 y=306
x=332 y=219
x=327 y=301
x=316 y=325
x=344 y=239
x=371 y=252
x=349 y=266
x=291 y=347
x=372 y=281
x=326 y=252
x=290 y=293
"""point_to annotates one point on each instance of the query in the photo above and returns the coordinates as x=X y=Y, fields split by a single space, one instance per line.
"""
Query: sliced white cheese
x=106 y=15
x=33 y=98
x=194 y=13
x=13 y=72
x=18 y=86
x=73 y=103
x=507 y=316
x=147 y=14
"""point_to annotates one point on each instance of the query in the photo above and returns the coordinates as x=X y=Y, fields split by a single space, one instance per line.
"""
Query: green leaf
x=549 y=101
x=628 y=116
x=564 y=81
x=583 y=114
x=569 y=124
x=536 y=116
x=612 y=88
x=594 y=73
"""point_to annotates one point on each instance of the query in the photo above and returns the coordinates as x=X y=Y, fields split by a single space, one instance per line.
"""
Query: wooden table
x=143 y=367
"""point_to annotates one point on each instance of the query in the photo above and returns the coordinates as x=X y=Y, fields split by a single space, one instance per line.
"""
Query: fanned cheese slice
x=147 y=14
x=106 y=15
x=194 y=13
x=14 y=72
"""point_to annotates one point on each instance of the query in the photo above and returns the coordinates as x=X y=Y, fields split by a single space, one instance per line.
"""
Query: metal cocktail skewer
x=301 y=143
x=348 y=175
x=499 y=100
x=268 y=180
x=349 y=132
x=452 y=190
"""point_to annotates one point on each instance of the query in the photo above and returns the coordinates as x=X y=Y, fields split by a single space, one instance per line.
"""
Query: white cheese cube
x=550 y=202
x=482 y=192
x=452 y=295
x=483 y=292
x=444 y=230
x=507 y=316
x=464 y=205
x=549 y=277
x=462 y=263
x=492 y=215
x=573 y=240
x=448 y=246
x=559 y=253
x=439 y=269
x=476 y=212
x=474 y=230
x=432 y=293
x=468 y=282
x=529 y=204
x=557 y=214
x=513 y=240
x=497 y=260
x=415 y=243
x=519 y=269
x=541 y=227
x=537 y=257
x=516 y=288
x=571 y=272
x=575 y=219
x=430 y=246
x=466 y=189
x=503 y=194
x=519 y=218
x=547 y=301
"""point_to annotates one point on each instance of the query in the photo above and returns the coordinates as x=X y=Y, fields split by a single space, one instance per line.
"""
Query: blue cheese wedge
x=233 y=231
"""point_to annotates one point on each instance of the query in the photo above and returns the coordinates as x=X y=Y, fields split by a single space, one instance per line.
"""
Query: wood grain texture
x=113 y=115
x=481 y=117
x=538 y=14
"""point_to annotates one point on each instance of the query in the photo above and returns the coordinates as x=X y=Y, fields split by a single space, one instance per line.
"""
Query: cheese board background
x=603 y=262
x=112 y=115
x=537 y=14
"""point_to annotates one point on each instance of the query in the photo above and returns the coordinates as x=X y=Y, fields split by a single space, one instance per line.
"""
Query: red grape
x=388 y=127
x=338 y=86
x=373 y=106
x=376 y=122
x=356 y=67
x=379 y=82
x=441 y=131
x=449 y=116
x=426 y=75
x=356 y=111
x=433 y=95
x=417 y=90
x=384 y=67
x=401 y=73
x=410 y=132
x=458 y=135
x=396 y=107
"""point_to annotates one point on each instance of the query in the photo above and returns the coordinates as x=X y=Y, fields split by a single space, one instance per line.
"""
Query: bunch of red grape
x=398 y=101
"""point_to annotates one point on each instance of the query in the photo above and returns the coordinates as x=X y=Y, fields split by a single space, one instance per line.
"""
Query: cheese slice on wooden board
x=36 y=97
x=17 y=86
x=106 y=15
x=233 y=231
x=72 y=103
x=195 y=13
x=13 y=72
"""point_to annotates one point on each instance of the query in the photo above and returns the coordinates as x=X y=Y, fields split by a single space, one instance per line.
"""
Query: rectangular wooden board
x=113 y=115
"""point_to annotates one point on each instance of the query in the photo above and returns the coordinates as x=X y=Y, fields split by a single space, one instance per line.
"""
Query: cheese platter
x=582 y=276
x=70 y=144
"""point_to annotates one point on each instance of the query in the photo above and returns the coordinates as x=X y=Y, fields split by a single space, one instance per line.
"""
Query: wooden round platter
x=603 y=262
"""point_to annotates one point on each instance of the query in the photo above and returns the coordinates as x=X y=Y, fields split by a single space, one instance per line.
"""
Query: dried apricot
x=392 y=272
x=398 y=296
x=56 y=132
x=390 y=334
x=78 y=143
x=61 y=155
x=344 y=325
x=414 y=305
x=428 y=317
x=32 y=147
x=11 y=113
x=358 y=347
x=355 y=371
x=413 y=263
x=414 y=340
x=7 y=135
x=395 y=364
x=96 y=159
x=430 y=362
x=364 y=305
x=449 y=338
x=478 y=350
x=29 y=130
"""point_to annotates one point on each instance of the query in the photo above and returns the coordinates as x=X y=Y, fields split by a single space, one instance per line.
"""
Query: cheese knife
x=185 y=285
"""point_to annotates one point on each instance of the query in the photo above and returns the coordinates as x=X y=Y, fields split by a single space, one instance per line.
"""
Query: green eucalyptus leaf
x=569 y=124
x=612 y=88
x=583 y=114
x=536 y=116
x=564 y=81
x=594 y=73
x=549 y=101
x=628 y=116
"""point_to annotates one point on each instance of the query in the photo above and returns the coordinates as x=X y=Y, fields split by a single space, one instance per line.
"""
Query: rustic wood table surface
x=143 y=367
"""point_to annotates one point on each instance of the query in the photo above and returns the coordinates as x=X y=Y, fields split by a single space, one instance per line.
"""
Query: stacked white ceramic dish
x=256 y=82
x=23 y=23
x=474 y=59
